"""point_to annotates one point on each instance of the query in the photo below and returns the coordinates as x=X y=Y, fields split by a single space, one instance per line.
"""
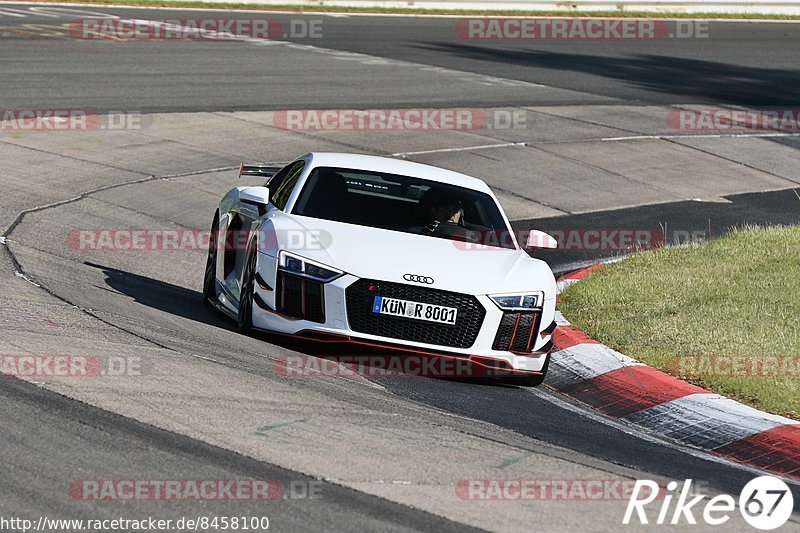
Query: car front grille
x=360 y=296
x=300 y=297
x=517 y=332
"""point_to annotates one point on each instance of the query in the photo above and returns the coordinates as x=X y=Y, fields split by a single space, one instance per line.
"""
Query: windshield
x=403 y=203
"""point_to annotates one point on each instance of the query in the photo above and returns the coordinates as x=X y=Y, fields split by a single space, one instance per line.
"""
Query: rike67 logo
x=765 y=503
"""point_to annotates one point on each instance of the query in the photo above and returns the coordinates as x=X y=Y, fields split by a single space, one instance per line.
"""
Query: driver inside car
x=438 y=210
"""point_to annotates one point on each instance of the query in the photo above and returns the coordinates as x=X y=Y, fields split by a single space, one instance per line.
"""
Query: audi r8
x=383 y=252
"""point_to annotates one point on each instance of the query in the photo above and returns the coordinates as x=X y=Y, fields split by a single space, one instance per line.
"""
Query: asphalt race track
x=744 y=64
x=593 y=147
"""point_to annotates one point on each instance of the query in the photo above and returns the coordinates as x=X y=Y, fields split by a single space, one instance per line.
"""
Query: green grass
x=677 y=308
x=420 y=11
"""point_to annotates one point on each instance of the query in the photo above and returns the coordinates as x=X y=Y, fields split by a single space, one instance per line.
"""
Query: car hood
x=389 y=255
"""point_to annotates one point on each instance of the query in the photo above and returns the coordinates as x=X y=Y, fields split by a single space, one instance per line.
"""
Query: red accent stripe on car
x=530 y=334
x=514 y=333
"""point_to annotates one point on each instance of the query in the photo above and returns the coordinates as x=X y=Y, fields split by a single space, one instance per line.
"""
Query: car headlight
x=300 y=266
x=518 y=302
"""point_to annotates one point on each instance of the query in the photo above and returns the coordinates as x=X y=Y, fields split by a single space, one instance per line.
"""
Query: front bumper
x=527 y=354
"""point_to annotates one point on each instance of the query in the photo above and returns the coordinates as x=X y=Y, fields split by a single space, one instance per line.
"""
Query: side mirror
x=257 y=196
x=539 y=240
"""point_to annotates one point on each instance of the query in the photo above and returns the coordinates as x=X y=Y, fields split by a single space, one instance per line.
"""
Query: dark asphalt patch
x=670 y=223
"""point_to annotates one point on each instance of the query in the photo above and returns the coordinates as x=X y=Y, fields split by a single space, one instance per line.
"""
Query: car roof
x=396 y=166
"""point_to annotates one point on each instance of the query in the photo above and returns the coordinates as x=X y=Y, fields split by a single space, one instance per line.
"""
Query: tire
x=209 y=278
x=245 y=315
x=530 y=380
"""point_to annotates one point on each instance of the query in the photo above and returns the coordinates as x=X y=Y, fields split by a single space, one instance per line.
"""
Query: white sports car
x=383 y=252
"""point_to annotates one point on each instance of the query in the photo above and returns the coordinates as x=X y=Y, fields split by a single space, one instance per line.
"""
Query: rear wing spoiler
x=258 y=169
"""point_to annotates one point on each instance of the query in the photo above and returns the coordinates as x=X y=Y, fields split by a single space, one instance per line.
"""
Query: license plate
x=415 y=310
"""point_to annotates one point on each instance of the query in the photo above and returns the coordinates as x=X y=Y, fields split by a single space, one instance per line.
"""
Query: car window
x=280 y=195
x=403 y=203
x=275 y=181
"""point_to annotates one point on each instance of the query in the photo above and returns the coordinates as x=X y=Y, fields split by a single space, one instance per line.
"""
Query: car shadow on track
x=379 y=363
x=161 y=295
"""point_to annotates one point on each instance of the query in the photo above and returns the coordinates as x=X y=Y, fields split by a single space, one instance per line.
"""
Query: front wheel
x=245 y=315
x=532 y=380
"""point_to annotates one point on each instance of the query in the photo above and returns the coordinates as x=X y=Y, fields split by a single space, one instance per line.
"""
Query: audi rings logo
x=418 y=279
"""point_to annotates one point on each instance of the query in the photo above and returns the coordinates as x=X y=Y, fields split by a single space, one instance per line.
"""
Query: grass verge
x=419 y=11
x=724 y=314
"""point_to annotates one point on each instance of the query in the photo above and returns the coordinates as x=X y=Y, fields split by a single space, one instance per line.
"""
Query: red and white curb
x=622 y=387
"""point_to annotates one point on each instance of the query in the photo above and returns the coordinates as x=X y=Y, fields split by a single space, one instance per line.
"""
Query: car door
x=248 y=217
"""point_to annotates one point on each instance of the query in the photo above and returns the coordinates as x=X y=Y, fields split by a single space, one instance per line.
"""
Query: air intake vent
x=300 y=297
